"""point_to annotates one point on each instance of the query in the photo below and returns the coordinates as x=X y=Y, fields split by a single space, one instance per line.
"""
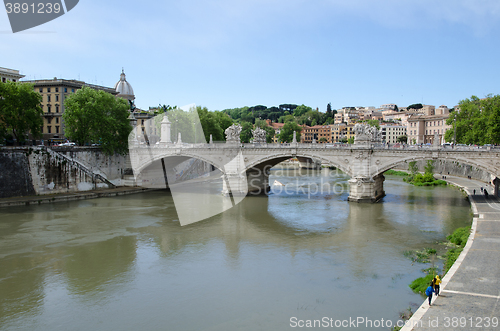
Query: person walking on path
x=437 y=281
x=474 y=191
x=429 y=292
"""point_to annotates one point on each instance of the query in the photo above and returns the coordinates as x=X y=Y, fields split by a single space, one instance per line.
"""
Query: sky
x=224 y=54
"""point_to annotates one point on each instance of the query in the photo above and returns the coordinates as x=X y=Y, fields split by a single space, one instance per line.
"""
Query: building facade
x=391 y=133
x=315 y=133
x=9 y=75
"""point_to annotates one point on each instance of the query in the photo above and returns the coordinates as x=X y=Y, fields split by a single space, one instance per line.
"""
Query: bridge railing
x=377 y=146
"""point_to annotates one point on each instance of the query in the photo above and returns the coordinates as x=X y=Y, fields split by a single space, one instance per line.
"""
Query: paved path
x=470 y=297
x=49 y=198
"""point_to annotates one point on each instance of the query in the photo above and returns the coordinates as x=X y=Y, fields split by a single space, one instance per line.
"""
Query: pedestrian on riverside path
x=437 y=281
x=481 y=189
x=474 y=191
x=485 y=194
x=429 y=292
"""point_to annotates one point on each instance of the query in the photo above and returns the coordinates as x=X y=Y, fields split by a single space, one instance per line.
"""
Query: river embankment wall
x=452 y=168
x=38 y=170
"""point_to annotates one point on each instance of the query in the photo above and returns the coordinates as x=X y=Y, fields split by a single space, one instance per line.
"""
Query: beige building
x=315 y=133
x=341 y=131
x=54 y=92
x=423 y=129
x=9 y=75
x=391 y=133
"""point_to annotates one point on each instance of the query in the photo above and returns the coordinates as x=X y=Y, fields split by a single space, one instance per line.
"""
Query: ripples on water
x=125 y=263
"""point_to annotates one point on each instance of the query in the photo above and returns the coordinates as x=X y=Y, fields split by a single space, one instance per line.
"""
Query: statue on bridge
x=259 y=136
x=366 y=133
x=233 y=133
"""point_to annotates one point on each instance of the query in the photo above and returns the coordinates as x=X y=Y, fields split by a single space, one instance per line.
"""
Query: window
x=14 y=80
x=48 y=98
x=57 y=97
x=3 y=79
x=57 y=89
x=57 y=120
x=41 y=89
x=49 y=129
x=65 y=90
x=73 y=90
x=57 y=128
x=48 y=89
x=48 y=108
x=57 y=109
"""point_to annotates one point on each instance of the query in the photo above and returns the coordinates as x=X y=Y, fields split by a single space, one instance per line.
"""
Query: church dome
x=124 y=88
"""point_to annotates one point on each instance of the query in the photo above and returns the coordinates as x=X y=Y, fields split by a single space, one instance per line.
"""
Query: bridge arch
x=280 y=157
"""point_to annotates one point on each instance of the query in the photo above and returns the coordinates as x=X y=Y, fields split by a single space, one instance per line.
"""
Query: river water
x=125 y=263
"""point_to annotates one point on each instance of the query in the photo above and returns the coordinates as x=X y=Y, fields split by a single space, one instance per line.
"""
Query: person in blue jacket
x=429 y=292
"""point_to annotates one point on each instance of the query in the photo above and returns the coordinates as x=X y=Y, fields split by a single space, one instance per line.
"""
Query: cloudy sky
x=231 y=53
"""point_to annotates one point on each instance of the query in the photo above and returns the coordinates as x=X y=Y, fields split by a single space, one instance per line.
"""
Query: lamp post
x=454 y=129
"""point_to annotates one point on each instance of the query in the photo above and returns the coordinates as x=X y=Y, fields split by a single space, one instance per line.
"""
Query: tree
x=374 y=123
x=210 y=125
x=477 y=121
x=20 y=111
x=415 y=106
x=286 y=133
x=329 y=113
x=301 y=110
x=246 y=132
x=402 y=139
x=323 y=140
x=93 y=116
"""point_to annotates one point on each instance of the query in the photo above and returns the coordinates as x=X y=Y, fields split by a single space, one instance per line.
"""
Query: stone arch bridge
x=246 y=166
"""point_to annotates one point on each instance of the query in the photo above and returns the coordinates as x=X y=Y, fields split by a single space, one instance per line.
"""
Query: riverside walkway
x=470 y=290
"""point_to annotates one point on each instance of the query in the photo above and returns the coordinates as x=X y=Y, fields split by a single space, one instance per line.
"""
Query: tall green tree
x=210 y=124
x=20 y=111
x=93 y=116
x=286 y=133
x=246 y=132
x=476 y=121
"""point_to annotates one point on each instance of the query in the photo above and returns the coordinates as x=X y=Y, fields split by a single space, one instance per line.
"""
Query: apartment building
x=423 y=129
x=391 y=133
x=9 y=75
x=315 y=133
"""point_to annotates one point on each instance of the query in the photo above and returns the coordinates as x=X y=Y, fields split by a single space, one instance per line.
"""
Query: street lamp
x=454 y=129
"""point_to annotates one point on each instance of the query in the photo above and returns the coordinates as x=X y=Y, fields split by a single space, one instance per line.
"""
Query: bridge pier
x=366 y=189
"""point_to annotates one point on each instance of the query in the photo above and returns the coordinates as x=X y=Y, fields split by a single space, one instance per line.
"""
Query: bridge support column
x=258 y=181
x=366 y=189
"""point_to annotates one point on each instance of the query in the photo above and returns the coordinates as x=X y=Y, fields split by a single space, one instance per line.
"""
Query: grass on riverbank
x=396 y=173
x=457 y=241
x=458 y=238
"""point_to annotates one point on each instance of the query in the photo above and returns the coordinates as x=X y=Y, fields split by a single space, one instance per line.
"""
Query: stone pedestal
x=365 y=189
x=165 y=130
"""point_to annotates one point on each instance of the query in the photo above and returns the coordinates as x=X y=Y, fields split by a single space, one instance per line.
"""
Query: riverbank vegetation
x=425 y=179
x=455 y=242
